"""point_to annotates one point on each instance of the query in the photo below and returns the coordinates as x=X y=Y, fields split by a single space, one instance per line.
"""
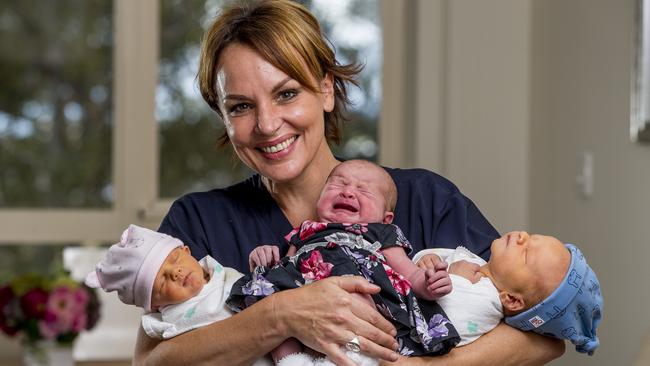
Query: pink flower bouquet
x=38 y=308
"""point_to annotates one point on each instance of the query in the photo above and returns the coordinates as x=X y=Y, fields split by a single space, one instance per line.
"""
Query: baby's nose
x=523 y=237
x=176 y=273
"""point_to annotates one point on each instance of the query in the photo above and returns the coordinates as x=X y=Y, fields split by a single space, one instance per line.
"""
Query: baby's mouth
x=187 y=279
x=346 y=207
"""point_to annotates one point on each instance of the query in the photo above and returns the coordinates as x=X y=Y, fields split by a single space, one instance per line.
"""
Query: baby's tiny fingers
x=441 y=265
x=276 y=254
x=255 y=258
x=428 y=261
x=439 y=275
x=443 y=281
x=440 y=284
x=440 y=290
x=268 y=255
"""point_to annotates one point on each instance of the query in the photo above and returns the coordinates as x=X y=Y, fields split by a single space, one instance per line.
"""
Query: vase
x=47 y=353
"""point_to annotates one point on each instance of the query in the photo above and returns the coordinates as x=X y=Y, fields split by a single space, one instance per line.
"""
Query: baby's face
x=519 y=261
x=354 y=193
x=179 y=278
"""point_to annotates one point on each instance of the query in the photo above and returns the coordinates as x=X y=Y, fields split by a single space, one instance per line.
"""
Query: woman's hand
x=324 y=316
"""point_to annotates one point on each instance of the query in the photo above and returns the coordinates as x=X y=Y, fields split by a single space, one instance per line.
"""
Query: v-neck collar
x=278 y=223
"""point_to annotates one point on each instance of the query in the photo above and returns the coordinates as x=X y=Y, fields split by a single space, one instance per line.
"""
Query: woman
x=267 y=71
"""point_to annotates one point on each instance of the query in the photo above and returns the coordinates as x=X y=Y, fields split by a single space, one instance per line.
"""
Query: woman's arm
x=227 y=342
x=321 y=315
x=503 y=345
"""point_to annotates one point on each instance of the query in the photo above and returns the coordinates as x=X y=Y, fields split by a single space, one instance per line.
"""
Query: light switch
x=585 y=177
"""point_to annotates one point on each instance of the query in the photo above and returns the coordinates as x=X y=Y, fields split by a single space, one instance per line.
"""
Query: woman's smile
x=277 y=150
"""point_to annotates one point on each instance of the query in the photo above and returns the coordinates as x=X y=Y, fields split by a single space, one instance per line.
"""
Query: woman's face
x=275 y=124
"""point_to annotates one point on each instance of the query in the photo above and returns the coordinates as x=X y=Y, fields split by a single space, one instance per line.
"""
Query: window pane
x=55 y=103
x=189 y=157
x=189 y=160
x=354 y=28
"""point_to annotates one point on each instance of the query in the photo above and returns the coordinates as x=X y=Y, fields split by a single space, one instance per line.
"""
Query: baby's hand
x=264 y=255
x=437 y=280
x=429 y=261
x=471 y=271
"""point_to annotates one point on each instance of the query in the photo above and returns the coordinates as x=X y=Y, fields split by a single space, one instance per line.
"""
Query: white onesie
x=473 y=308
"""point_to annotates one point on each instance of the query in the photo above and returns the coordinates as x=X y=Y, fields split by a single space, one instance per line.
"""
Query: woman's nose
x=268 y=122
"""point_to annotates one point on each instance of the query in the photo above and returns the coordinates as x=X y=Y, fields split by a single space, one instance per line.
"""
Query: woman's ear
x=327 y=90
x=512 y=303
x=388 y=217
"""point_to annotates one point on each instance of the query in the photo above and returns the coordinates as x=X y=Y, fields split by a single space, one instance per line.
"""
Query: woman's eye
x=239 y=109
x=286 y=95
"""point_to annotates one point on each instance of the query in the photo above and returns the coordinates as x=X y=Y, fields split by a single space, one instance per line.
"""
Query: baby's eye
x=364 y=189
x=161 y=283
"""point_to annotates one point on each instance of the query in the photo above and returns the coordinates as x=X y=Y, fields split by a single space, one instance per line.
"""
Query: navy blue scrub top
x=228 y=223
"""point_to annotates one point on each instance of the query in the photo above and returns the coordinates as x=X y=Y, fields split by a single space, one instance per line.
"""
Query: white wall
x=486 y=133
x=581 y=65
x=464 y=99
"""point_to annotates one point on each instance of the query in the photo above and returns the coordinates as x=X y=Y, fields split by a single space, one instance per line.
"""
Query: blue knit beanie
x=572 y=311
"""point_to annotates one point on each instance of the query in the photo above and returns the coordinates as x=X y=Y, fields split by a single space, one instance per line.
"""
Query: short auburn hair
x=287 y=36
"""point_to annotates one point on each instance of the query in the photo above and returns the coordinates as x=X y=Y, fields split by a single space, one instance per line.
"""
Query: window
x=55 y=104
